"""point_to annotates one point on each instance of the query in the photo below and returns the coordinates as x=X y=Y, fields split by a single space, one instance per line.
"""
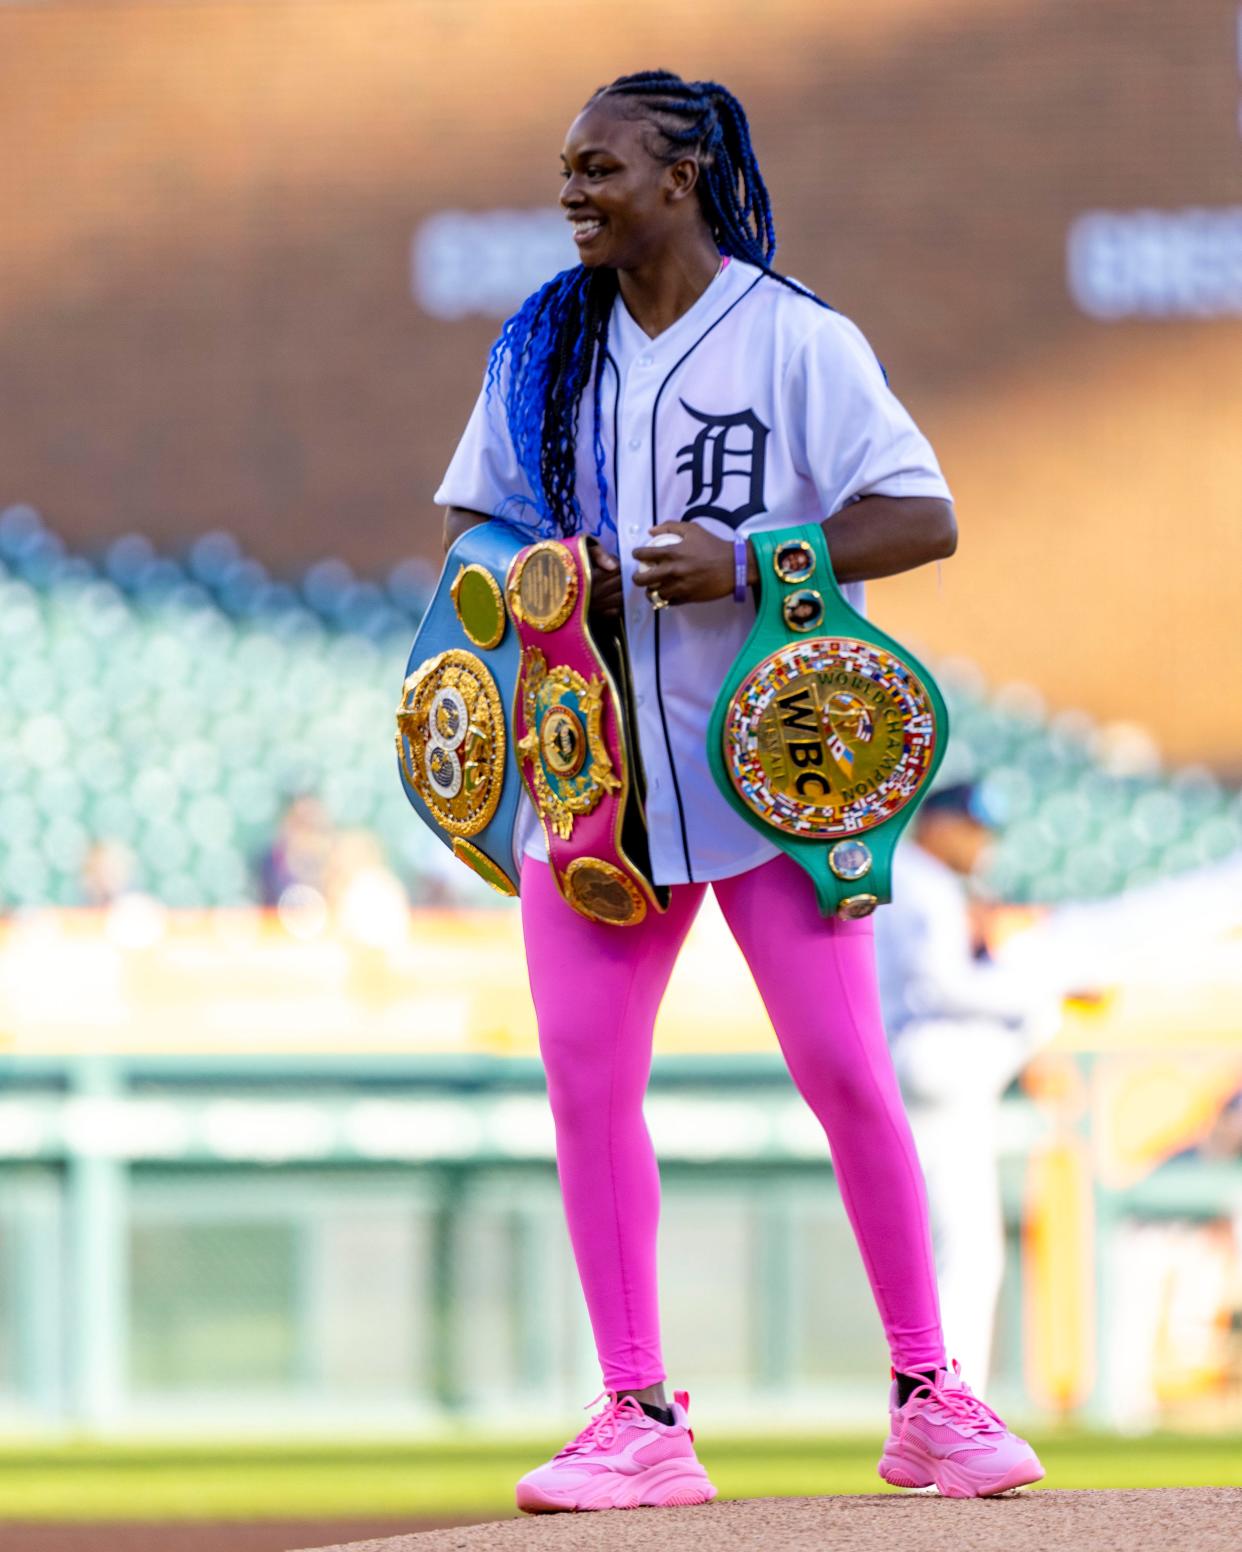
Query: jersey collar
x=723 y=290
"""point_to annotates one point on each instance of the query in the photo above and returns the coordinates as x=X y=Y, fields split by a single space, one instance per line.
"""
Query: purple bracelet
x=739 y=571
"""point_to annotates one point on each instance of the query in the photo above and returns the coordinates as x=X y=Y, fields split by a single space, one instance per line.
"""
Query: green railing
x=334 y=1244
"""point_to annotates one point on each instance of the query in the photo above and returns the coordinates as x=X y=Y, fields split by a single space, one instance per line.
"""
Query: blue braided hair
x=554 y=345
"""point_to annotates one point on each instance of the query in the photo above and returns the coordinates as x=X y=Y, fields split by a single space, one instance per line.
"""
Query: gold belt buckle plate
x=829 y=737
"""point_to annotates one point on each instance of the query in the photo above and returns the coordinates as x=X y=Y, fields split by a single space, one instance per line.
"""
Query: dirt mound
x=1150 y=1520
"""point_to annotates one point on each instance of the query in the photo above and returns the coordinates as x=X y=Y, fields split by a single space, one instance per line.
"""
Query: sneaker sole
x=952 y=1480
x=658 y=1488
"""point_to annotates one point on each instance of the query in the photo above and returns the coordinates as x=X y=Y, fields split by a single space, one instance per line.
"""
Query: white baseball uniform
x=757 y=409
x=960 y=1030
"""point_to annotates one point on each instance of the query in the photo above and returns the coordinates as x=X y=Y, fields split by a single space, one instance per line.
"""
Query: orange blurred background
x=209 y=311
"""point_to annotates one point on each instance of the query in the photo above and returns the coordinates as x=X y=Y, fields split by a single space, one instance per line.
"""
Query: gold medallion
x=850 y=860
x=793 y=562
x=480 y=863
x=444 y=771
x=447 y=719
x=480 y=606
x=570 y=768
x=543 y=585
x=829 y=736
x=602 y=892
x=804 y=610
x=451 y=740
x=562 y=741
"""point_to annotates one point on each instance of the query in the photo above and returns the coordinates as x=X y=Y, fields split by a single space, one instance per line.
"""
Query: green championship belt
x=827 y=732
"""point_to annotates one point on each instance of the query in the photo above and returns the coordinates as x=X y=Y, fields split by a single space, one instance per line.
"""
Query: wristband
x=739 y=571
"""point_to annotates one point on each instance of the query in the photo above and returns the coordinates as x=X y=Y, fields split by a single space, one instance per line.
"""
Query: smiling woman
x=655 y=168
x=725 y=401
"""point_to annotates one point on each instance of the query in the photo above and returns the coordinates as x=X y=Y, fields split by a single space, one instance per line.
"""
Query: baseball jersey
x=928 y=972
x=757 y=409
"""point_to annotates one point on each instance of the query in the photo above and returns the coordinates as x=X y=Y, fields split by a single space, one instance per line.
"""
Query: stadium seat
x=175 y=704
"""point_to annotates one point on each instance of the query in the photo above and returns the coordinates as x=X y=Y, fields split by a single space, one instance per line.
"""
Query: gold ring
x=656 y=601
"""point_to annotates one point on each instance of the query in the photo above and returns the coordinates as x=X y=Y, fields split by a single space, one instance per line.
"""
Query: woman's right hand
x=606 y=589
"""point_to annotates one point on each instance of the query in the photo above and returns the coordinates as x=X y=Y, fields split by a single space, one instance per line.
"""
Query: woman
x=667 y=397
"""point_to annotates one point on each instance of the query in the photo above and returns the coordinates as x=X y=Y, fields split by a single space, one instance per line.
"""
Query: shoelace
x=958 y=1405
x=602 y=1429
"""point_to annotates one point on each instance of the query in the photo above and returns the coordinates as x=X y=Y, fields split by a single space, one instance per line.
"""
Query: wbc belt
x=827 y=732
x=576 y=744
x=453 y=747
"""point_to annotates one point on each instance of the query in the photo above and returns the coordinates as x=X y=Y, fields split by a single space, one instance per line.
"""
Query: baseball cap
x=971 y=799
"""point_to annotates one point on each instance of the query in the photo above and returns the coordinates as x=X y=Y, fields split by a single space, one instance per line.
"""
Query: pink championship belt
x=575 y=740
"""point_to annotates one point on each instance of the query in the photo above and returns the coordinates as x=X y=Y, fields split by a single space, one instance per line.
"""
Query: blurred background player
x=299 y=855
x=961 y=1026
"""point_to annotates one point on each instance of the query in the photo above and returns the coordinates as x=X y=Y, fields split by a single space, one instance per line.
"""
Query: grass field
x=102 y=1482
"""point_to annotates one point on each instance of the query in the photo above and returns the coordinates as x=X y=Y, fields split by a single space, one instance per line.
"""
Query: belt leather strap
x=576 y=744
x=827 y=732
x=454 y=751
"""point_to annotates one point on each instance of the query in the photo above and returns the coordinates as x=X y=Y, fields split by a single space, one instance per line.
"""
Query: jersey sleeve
x=850 y=433
x=484 y=474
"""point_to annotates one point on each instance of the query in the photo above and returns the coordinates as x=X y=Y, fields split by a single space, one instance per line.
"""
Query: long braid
x=705 y=117
x=544 y=357
x=554 y=345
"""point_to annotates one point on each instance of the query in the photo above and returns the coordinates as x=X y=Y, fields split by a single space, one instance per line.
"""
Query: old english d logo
x=729 y=447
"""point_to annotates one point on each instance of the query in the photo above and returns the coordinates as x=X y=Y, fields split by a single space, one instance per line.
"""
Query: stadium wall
x=223 y=289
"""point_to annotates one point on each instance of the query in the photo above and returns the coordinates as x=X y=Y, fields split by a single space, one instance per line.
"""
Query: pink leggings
x=597 y=990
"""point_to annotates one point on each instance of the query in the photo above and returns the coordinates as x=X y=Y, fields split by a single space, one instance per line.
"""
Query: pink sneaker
x=622 y=1459
x=946 y=1437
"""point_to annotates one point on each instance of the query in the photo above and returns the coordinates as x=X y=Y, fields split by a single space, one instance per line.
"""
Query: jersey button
x=645 y=360
x=635 y=444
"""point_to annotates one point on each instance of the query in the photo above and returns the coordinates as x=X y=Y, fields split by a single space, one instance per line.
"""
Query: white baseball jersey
x=757 y=409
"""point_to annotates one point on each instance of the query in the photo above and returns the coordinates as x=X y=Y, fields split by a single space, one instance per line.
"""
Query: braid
x=554 y=345
x=706 y=118
x=551 y=347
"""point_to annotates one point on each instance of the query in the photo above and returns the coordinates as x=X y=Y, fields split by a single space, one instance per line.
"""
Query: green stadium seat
x=175 y=707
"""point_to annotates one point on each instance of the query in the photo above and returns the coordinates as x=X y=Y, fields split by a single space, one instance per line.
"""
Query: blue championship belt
x=454 y=749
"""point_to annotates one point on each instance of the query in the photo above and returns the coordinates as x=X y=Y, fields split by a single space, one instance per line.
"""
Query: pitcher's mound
x=1165 y=1519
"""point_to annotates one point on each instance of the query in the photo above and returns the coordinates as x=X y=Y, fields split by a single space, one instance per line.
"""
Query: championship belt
x=577 y=747
x=453 y=747
x=827 y=731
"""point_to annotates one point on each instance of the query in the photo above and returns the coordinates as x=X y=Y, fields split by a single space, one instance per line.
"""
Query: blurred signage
x=486 y=261
x=1157 y=263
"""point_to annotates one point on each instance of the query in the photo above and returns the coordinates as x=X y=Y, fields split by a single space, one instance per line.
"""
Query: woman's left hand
x=692 y=572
